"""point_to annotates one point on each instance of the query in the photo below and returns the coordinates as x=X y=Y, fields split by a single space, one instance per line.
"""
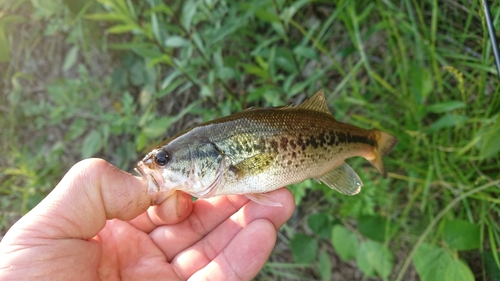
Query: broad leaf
x=176 y=42
x=491 y=147
x=321 y=224
x=304 y=248
x=325 y=266
x=461 y=235
x=375 y=227
x=374 y=258
x=344 y=242
x=457 y=270
x=91 y=144
x=434 y=263
x=71 y=58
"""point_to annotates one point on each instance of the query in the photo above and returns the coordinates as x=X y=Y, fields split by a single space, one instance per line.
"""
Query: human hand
x=97 y=224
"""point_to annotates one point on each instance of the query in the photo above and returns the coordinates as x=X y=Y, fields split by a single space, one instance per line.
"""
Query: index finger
x=208 y=214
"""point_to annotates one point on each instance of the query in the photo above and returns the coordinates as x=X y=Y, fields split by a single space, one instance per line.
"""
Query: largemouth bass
x=259 y=150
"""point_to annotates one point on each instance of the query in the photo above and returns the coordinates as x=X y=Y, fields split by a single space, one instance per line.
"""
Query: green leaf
x=137 y=73
x=374 y=258
x=434 y=263
x=124 y=28
x=457 y=270
x=148 y=52
x=4 y=45
x=265 y=15
x=321 y=224
x=118 y=5
x=119 y=79
x=91 y=144
x=493 y=271
x=188 y=12
x=422 y=83
x=445 y=106
x=289 y=11
x=131 y=46
x=304 y=248
x=374 y=227
x=299 y=87
x=161 y=8
x=344 y=242
x=76 y=129
x=170 y=87
x=461 y=235
x=165 y=58
x=176 y=42
x=253 y=69
x=447 y=121
x=491 y=147
x=158 y=127
x=198 y=42
x=141 y=141
x=430 y=262
x=71 y=58
x=49 y=8
x=224 y=31
x=306 y=52
x=284 y=59
x=325 y=266
x=107 y=17
x=12 y=19
x=299 y=191
x=157 y=28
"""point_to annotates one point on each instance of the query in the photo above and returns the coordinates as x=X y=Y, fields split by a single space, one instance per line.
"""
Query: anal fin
x=263 y=199
x=343 y=179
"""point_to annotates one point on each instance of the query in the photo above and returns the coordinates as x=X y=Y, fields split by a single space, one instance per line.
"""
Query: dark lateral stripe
x=348 y=138
x=330 y=138
x=320 y=139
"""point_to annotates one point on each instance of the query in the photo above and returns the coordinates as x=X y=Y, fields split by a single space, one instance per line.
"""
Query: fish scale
x=259 y=150
x=298 y=142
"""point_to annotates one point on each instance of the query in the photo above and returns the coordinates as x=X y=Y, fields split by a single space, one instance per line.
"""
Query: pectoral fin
x=254 y=165
x=343 y=179
x=263 y=198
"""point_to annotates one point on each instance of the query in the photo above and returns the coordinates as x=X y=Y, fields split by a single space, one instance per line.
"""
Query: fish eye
x=161 y=158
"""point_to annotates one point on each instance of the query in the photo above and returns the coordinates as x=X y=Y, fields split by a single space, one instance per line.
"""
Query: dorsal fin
x=287 y=107
x=250 y=108
x=317 y=103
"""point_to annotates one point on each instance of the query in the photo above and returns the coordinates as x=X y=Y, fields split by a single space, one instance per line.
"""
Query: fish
x=259 y=150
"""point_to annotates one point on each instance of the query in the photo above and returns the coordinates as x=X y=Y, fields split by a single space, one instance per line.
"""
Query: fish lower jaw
x=160 y=196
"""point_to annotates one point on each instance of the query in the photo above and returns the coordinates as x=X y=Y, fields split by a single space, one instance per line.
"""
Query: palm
x=217 y=235
x=94 y=226
x=130 y=254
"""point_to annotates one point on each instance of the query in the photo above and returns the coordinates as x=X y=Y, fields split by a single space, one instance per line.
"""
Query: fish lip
x=149 y=175
x=156 y=186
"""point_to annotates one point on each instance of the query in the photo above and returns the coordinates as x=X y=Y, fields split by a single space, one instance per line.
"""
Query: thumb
x=92 y=192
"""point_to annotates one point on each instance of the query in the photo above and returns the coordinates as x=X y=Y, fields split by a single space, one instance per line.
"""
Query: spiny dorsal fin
x=287 y=107
x=250 y=108
x=317 y=103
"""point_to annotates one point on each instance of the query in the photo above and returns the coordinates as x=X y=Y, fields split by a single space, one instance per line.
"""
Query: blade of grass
x=434 y=222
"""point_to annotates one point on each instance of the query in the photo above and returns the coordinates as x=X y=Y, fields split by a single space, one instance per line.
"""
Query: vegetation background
x=110 y=78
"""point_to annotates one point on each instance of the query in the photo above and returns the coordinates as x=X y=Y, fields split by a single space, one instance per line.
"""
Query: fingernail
x=181 y=204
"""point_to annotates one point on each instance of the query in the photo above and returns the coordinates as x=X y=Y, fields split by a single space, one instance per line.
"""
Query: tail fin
x=385 y=143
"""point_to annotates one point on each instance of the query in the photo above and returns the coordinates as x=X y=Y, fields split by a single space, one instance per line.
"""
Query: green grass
x=421 y=70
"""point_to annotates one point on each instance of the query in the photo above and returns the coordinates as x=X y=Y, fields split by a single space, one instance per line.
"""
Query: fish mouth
x=154 y=182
